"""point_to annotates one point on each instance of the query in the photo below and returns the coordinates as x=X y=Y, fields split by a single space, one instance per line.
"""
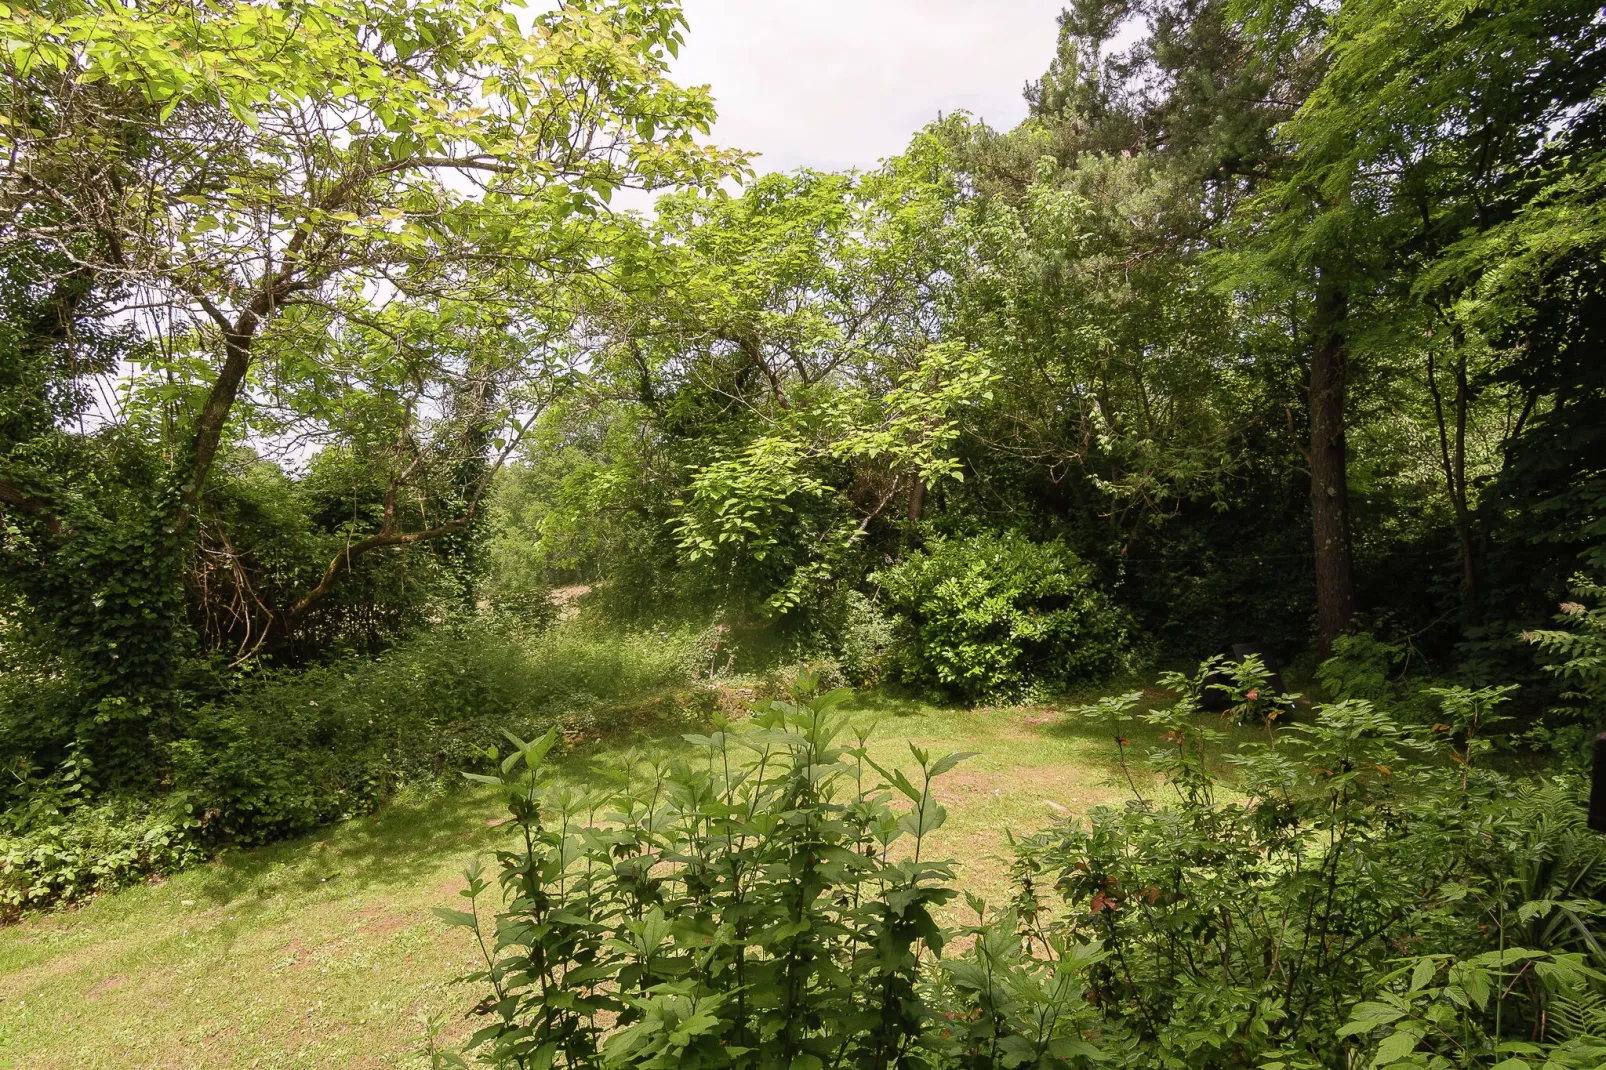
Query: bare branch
x=342 y=562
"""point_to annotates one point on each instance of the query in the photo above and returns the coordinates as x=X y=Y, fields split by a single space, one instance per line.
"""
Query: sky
x=834 y=84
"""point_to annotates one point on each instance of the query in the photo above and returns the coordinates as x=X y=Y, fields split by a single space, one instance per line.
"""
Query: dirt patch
x=106 y=984
x=734 y=700
x=293 y=956
x=567 y=600
x=384 y=926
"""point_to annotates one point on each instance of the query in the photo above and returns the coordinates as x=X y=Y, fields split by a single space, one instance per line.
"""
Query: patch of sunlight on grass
x=322 y=951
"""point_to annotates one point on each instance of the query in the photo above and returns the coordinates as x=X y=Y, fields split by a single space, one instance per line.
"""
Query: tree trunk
x=1463 y=503
x=1453 y=459
x=214 y=417
x=1329 y=470
x=917 y=500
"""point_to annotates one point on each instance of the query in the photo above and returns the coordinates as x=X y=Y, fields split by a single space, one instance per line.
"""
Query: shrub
x=865 y=639
x=92 y=849
x=765 y=904
x=989 y=615
x=1361 y=667
x=1350 y=860
x=284 y=752
x=1362 y=894
x=294 y=750
x=1581 y=645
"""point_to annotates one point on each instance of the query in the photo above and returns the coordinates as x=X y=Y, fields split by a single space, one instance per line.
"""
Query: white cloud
x=834 y=84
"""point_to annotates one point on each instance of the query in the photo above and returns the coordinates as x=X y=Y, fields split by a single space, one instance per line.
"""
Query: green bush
x=285 y=751
x=766 y=904
x=1345 y=861
x=294 y=750
x=1360 y=894
x=1569 y=728
x=58 y=843
x=992 y=615
x=93 y=849
x=866 y=639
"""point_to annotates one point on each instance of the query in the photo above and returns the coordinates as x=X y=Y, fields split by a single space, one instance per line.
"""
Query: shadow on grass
x=1098 y=736
x=407 y=839
x=892 y=702
x=399 y=843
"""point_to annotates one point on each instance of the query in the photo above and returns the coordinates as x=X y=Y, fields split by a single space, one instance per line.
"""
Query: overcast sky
x=833 y=84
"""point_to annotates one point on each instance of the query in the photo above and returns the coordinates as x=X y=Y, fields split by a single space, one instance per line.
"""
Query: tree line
x=1279 y=322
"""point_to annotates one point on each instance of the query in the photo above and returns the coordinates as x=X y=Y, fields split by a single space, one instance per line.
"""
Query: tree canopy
x=319 y=325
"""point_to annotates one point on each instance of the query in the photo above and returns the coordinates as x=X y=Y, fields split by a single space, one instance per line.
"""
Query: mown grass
x=323 y=952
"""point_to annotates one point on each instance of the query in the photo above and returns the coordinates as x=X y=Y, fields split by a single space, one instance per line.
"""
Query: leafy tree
x=328 y=221
x=781 y=362
x=1439 y=141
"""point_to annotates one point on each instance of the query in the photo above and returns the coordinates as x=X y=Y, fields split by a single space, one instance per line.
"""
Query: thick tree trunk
x=27 y=503
x=1329 y=470
x=917 y=500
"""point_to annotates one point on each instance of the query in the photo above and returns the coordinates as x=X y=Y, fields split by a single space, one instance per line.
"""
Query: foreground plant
x=1359 y=893
x=766 y=903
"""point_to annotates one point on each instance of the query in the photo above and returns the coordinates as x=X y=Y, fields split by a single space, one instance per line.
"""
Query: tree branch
x=342 y=562
x=466 y=163
x=386 y=537
x=37 y=508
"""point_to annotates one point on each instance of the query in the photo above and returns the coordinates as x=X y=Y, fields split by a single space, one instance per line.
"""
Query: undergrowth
x=284 y=751
x=1367 y=894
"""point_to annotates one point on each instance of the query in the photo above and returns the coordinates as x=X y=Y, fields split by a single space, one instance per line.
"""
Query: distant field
x=323 y=952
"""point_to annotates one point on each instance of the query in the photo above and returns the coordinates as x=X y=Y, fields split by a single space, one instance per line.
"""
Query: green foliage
x=1361 y=668
x=990 y=615
x=294 y=750
x=285 y=751
x=1349 y=892
x=1289 y=912
x=94 y=848
x=864 y=638
x=1570 y=727
x=1581 y=645
x=108 y=600
x=219 y=305
x=764 y=902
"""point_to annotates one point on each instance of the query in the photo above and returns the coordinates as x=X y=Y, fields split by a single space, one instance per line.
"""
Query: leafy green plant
x=1581 y=645
x=285 y=751
x=92 y=848
x=768 y=902
x=1017 y=1004
x=1361 y=667
x=1243 y=922
x=990 y=615
x=865 y=640
x=1348 y=892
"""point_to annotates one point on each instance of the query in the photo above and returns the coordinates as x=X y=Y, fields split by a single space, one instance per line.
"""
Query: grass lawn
x=323 y=952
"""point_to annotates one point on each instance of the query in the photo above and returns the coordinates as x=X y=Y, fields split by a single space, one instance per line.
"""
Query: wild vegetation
x=345 y=425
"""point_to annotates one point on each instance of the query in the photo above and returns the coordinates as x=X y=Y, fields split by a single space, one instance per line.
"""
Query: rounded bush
x=991 y=615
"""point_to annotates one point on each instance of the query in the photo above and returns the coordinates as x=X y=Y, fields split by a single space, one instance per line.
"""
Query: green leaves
x=1270 y=855
x=1414 y=1023
x=746 y=908
x=991 y=612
